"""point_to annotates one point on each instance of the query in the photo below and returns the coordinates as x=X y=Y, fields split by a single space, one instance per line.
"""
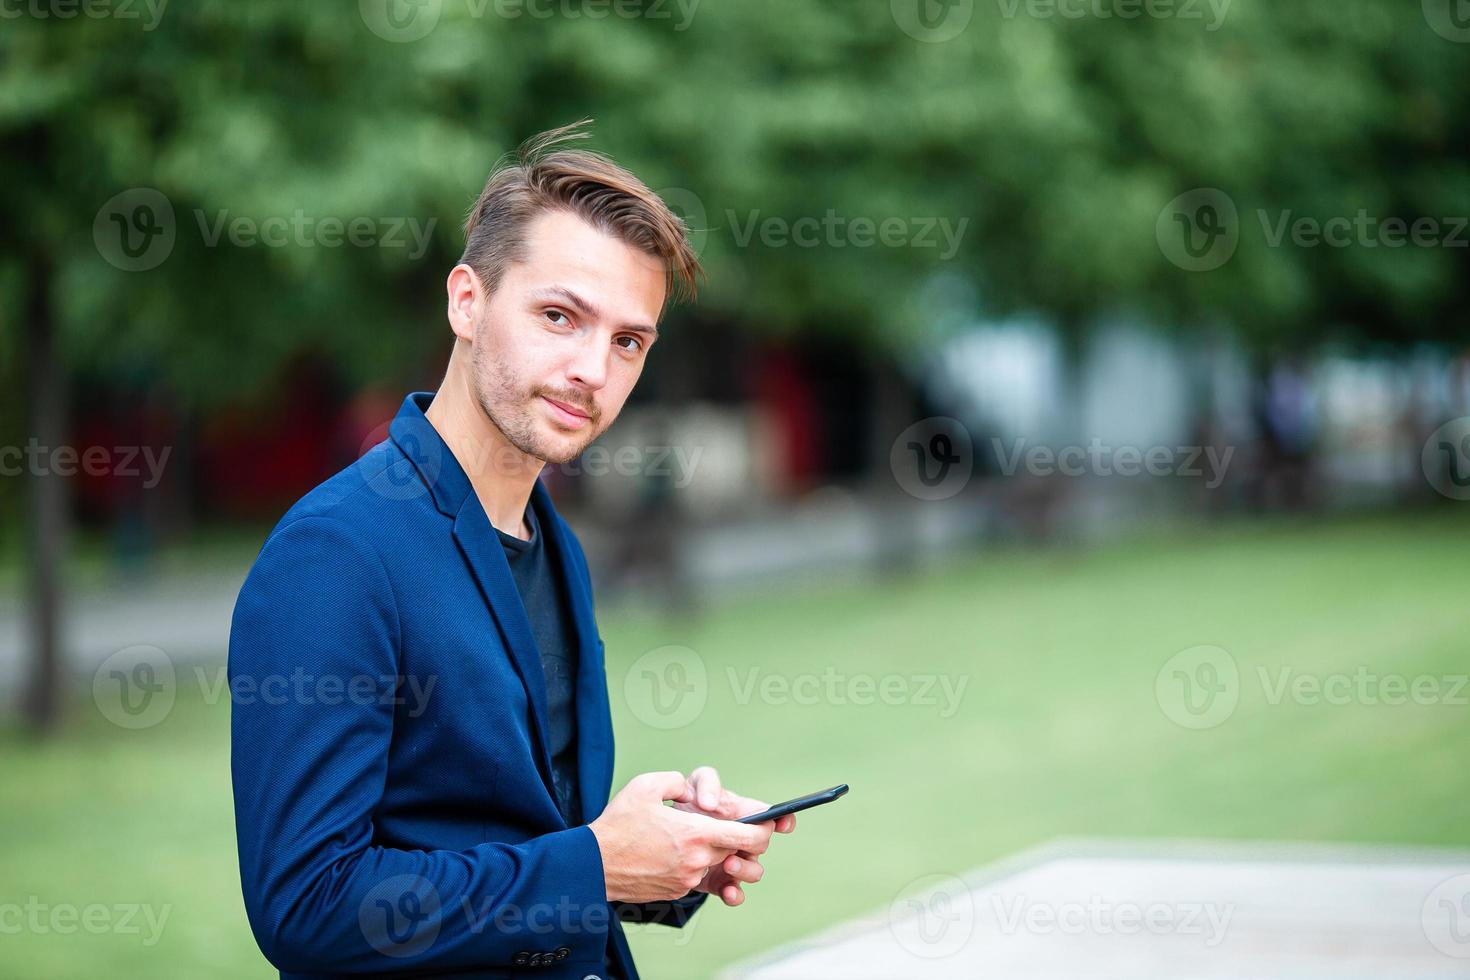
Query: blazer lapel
x=594 y=720
x=441 y=476
x=445 y=480
x=482 y=548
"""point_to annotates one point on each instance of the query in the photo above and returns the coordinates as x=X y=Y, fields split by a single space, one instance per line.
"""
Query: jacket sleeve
x=316 y=616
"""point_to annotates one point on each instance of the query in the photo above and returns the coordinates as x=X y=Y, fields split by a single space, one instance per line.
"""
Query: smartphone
x=796 y=805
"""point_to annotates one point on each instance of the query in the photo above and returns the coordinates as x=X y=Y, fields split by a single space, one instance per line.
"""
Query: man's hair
x=540 y=177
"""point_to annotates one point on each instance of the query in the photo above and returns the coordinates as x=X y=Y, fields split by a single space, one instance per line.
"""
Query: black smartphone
x=796 y=805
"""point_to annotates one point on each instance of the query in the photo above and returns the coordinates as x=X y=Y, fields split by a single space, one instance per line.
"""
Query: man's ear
x=466 y=297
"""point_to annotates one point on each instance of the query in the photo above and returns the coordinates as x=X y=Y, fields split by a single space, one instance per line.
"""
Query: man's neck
x=501 y=475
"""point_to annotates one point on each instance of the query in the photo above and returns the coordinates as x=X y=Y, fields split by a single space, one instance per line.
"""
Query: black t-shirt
x=549 y=611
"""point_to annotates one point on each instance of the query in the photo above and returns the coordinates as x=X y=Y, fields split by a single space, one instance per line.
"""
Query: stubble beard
x=513 y=410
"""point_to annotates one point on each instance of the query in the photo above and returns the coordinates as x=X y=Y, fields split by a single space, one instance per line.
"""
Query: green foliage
x=1058 y=140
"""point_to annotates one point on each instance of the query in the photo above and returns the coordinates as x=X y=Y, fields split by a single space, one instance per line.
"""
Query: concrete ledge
x=1166 y=909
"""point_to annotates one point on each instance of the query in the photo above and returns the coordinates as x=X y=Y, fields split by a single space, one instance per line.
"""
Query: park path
x=1167 y=910
x=187 y=614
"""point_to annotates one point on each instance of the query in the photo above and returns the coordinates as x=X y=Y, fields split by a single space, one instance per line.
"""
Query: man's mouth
x=568 y=415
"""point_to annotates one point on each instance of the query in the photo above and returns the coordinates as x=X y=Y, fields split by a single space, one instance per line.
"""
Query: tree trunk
x=48 y=503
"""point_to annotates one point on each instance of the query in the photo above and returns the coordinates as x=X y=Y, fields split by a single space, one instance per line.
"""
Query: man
x=422 y=745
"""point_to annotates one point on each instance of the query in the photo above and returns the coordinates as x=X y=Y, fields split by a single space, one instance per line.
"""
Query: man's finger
x=742 y=806
x=705 y=782
x=752 y=837
x=664 y=785
x=743 y=868
x=786 y=824
x=732 y=895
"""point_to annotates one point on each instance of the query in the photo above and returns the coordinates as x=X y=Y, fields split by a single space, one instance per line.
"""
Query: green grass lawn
x=1058 y=732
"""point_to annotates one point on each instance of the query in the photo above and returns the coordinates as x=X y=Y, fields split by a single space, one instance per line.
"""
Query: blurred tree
x=1048 y=147
x=130 y=154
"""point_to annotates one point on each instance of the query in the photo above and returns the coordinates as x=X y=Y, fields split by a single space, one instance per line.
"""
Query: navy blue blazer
x=393 y=798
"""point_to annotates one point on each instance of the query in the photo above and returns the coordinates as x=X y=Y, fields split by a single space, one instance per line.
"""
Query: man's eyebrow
x=587 y=308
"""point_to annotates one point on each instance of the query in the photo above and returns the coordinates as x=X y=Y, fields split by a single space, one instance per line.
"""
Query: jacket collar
x=416 y=437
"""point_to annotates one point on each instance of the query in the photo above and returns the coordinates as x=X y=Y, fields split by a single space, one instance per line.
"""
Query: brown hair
x=538 y=178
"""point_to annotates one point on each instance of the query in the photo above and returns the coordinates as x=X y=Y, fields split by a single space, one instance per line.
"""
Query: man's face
x=560 y=344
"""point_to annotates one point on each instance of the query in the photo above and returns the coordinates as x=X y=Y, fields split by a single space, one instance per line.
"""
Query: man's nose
x=588 y=366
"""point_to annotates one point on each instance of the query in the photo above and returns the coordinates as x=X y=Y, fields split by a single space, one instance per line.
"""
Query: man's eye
x=637 y=344
x=557 y=317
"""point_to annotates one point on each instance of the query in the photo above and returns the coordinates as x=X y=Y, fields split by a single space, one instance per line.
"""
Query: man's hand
x=709 y=797
x=652 y=852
